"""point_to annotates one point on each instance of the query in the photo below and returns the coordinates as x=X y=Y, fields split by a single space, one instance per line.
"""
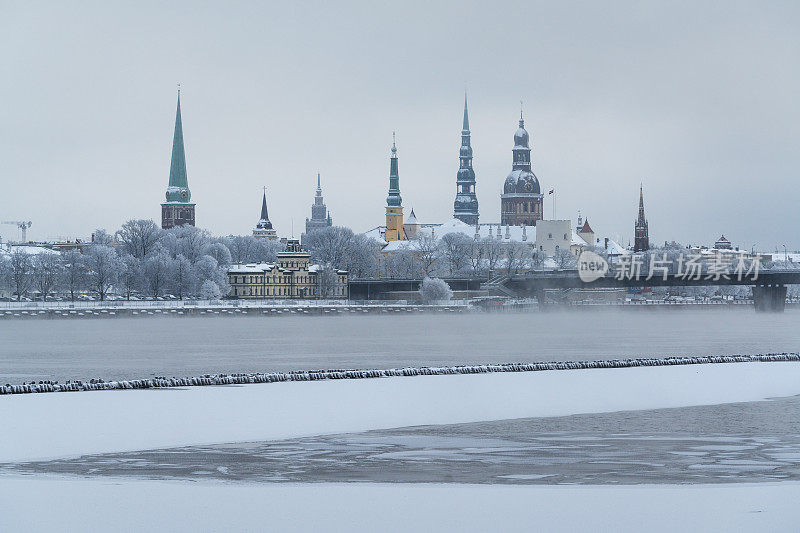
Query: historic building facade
x=521 y=202
x=394 y=203
x=263 y=229
x=291 y=277
x=178 y=209
x=320 y=216
x=465 y=207
x=641 y=241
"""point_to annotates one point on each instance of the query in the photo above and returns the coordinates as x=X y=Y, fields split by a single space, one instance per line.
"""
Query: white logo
x=591 y=266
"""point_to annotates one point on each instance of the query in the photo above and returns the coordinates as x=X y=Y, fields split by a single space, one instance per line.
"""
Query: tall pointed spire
x=465 y=126
x=394 y=198
x=394 y=203
x=178 y=209
x=465 y=207
x=641 y=241
x=264 y=214
x=177 y=168
x=264 y=229
x=320 y=217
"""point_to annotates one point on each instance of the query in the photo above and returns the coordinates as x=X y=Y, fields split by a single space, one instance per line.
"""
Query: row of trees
x=140 y=259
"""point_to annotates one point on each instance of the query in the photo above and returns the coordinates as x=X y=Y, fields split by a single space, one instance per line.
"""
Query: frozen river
x=126 y=348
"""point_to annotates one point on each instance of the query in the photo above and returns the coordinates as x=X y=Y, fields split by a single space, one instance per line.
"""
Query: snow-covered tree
x=455 y=249
x=538 y=258
x=139 y=237
x=364 y=258
x=46 y=273
x=184 y=279
x=74 y=273
x=492 y=251
x=157 y=269
x=426 y=252
x=219 y=251
x=434 y=290
x=130 y=275
x=330 y=246
x=516 y=256
x=210 y=290
x=104 y=266
x=20 y=272
x=564 y=259
x=103 y=238
x=326 y=281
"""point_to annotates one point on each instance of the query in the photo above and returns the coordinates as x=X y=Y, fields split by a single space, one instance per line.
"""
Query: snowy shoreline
x=318 y=375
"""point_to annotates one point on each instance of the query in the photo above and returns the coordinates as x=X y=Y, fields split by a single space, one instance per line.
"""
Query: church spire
x=394 y=203
x=263 y=222
x=177 y=210
x=641 y=241
x=465 y=126
x=177 y=168
x=394 y=199
x=465 y=207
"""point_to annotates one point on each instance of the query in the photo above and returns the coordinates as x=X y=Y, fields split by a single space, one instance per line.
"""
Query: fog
x=127 y=348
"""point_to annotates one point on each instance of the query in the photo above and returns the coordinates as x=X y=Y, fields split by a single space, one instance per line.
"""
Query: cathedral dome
x=522 y=182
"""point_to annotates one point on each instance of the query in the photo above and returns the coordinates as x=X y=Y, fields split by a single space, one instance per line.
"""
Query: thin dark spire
x=264 y=215
x=465 y=126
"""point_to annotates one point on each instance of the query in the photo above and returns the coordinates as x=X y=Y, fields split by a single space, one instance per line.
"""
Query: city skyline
x=705 y=139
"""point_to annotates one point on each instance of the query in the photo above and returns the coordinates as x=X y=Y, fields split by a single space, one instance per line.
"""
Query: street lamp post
x=785 y=253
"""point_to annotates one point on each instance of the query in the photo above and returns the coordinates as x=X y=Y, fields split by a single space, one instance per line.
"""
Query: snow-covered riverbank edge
x=45 y=503
x=42 y=426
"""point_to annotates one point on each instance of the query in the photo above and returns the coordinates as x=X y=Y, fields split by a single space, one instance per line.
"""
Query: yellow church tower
x=394 y=204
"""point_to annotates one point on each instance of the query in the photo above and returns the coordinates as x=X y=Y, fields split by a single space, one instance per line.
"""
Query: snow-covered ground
x=71 y=424
x=58 y=504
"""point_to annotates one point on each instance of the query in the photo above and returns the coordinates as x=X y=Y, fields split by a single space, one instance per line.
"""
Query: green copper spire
x=394 y=200
x=178 y=190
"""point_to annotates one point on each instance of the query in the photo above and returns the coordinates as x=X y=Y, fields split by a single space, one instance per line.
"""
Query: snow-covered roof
x=250 y=268
x=614 y=248
x=28 y=249
x=525 y=234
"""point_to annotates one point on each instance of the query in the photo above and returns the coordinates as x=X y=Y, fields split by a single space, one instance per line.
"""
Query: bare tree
x=327 y=279
x=184 y=279
x=139 y=237
x=20 y=272
x=425 y=247
x=538 y=258
x=130 y=275
x=104 y=266
x=156 y=273
x=564 y=259
x=364 y=258
x=456 y=248
x=492 y=251
x=103 y=238
x=516 y=256
x=46 y=273
x=475 y=256
x=74 y=272
x=330 y=246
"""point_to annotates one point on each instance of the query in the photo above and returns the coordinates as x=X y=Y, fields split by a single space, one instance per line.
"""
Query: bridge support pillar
x=769 y=298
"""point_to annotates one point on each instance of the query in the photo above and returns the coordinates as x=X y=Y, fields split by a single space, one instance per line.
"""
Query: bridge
x=769 y=286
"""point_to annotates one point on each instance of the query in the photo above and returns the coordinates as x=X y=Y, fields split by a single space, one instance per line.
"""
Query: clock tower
x=178 y=209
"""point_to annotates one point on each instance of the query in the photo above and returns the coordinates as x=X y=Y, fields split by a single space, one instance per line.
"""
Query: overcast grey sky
x=698 y=101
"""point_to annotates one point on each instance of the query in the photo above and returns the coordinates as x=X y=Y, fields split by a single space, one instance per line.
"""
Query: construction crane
x=21 y=225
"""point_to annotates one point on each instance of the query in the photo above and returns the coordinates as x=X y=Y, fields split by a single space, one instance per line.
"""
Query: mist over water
x=126 y=348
